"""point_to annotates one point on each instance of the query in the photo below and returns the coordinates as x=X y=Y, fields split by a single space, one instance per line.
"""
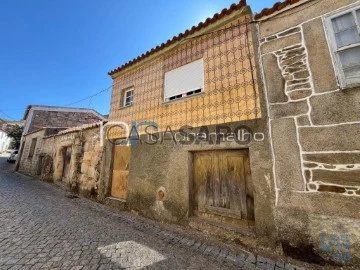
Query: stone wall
x=54 y=118
x=48 y=151
x=86 y=155
x=315 y=129
x=29 y=165
x=90 y=162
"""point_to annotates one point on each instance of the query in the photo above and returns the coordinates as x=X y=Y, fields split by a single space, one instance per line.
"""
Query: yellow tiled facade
x=230 y=82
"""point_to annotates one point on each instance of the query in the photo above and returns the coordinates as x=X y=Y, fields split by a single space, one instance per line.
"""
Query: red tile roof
x=276 y=7
x=217 y=16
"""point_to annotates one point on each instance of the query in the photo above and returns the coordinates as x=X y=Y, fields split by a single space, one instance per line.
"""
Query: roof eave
x=195 y=30
x=277 y=8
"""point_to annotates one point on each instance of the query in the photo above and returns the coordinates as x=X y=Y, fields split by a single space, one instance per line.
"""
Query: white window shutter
x=189 y=77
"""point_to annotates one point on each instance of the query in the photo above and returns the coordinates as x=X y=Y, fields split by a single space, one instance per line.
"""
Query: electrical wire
x=183 y=40
x=66 y=105
x=8 y=116
x=89 y=97
x=179 y=43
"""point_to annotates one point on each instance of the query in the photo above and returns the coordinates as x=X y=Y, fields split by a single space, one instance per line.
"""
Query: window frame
x=124 y=93
x=334 y=50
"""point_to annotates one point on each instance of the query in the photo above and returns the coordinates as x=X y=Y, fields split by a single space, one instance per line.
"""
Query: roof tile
x=276 y=7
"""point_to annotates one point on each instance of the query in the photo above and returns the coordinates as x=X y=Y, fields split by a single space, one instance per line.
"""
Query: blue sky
x=58 y=52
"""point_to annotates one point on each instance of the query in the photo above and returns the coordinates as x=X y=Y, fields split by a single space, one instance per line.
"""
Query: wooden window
x=127 y=97
x=32 y=147
x=343 y=31
x=184 y=81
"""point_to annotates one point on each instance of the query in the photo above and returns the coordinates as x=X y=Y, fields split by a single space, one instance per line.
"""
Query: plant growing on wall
x=14 y=132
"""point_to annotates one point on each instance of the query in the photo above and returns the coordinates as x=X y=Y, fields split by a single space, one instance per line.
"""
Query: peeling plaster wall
x=315 y=129
x=168 y=167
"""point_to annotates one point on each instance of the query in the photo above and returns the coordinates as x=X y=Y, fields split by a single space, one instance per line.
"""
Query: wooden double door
x=222 y=187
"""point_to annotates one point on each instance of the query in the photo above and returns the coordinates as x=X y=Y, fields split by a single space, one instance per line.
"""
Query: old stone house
x=31 y=161
x=41 y=121
x=310 y=55
x=204 y=83
x=39 y=116
x=72 y=158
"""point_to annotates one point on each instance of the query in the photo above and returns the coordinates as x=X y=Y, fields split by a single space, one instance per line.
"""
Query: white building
x=4 y=141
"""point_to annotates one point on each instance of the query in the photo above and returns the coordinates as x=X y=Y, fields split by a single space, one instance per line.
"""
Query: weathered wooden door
x=222 y=188
x=119 y=183
x=66 y=166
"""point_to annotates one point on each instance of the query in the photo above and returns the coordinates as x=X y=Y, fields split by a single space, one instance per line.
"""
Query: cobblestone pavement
x=41 y=228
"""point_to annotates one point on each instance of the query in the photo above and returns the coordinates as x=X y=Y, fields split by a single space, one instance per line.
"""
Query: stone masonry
x=38 y=116
x=30 y=164
x=85 y=162
x=293 y=98
x=315 y=130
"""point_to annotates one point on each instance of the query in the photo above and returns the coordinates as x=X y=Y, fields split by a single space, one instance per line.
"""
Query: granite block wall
x=315 y=130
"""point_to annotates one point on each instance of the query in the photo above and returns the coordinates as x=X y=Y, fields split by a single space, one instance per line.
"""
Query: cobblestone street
x=42 y=228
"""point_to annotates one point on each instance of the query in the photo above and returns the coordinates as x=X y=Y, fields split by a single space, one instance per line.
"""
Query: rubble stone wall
x=49 y=118
x=86 y=155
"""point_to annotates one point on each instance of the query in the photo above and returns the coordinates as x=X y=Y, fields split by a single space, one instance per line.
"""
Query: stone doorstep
x=195 y=222
x=119 y=204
